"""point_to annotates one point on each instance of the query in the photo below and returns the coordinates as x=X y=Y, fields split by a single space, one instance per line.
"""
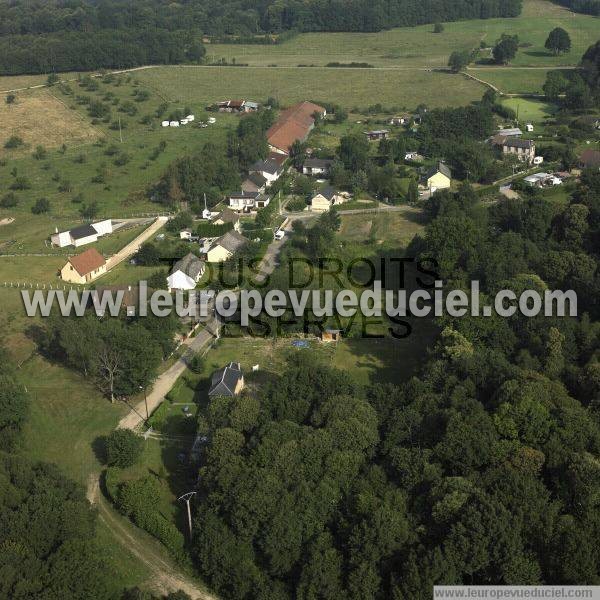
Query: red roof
x=590 y=158
x=293 y=124
x=87 y=261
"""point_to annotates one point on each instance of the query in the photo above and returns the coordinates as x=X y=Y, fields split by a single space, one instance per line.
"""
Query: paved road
x=131 y=248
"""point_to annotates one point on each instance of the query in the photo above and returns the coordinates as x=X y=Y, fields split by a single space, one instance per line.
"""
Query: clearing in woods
x=39 y=118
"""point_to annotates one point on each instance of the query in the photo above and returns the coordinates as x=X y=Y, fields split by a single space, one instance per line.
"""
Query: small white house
x=174 y=124
x=212 y=120
x=185 y=234
x=186 y=273
x=529 y=127
x=190 y=118
x=165 y=123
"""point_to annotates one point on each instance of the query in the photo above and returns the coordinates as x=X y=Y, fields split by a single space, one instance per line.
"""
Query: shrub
x=40 y=153
x=14 y=141
x=123 y=448
x=42 y=205
x=196 y=365
x=9 y=200
x=10 y=98
x=20 y=183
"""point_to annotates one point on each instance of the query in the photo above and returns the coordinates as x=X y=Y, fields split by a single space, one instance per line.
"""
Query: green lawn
x=512 y=81
x=349 y=87
x=395 y=227
x=529 y=109
x=420 y=47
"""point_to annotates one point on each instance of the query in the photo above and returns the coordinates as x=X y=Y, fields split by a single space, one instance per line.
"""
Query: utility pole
x=186 y=498
x=120 y=132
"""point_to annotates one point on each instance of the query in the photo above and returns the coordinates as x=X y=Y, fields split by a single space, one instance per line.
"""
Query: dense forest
x=482 y=470
x=589 y=7
x=38 y=37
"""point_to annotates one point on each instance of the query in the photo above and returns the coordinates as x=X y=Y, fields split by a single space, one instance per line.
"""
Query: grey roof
x=510 y=132
x=225 y=380
x=318 y=163
x=227 y=216
x=327 y=192
x=231 y=241
x=190 y=264
x=257 y=179
x=267 y=166
x=243 y=194
x=519 y=143
x=82 y=231
x=442 y=168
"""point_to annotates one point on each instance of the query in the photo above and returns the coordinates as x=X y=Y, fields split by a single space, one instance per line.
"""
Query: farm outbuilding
x=165 y=123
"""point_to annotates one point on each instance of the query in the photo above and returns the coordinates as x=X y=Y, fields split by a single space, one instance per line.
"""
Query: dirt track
x=166 y=576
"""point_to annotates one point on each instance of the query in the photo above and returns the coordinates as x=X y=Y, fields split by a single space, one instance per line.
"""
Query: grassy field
x=349 y=87
x=512 y=81
x=420 y=47
x=396 y=227
x=529 y=109
x=39 y=117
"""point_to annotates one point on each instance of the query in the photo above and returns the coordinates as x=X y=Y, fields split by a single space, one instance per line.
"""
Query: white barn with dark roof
x=82 y=235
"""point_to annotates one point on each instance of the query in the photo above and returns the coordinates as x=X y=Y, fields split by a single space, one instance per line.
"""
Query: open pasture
x=40 y=118
x=348 y=87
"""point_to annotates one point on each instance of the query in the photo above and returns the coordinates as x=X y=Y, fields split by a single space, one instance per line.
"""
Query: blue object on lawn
x=300 y=344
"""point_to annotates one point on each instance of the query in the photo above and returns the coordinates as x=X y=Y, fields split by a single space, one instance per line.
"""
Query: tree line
x=85 y=35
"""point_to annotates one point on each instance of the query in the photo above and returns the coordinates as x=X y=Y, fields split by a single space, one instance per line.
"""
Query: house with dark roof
x=325 y=198
x=228 y=216
x=228 y=381
x=248 y=201
x=317 y=166
x=243 y=106
x=377 y=134
x=590 y=159
x=84 y=268
x=524 y=150
x=225 y=247
x=270 y=169
x=293 y=125
x=439 y=177
x=255 y=182
x=186 y=273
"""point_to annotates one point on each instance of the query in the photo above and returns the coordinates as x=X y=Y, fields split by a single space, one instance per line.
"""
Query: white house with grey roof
x=82 y=235
x=317 y=166
x=270 y=168
x=186 y=273
x=228 y=381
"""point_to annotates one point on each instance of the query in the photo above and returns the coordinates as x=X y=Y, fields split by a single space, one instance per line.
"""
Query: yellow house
x=439 y=178
x=322 y=201
x=225 y=247
x=84 y=267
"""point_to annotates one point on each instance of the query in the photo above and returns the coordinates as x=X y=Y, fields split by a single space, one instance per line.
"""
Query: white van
x=279 y=234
